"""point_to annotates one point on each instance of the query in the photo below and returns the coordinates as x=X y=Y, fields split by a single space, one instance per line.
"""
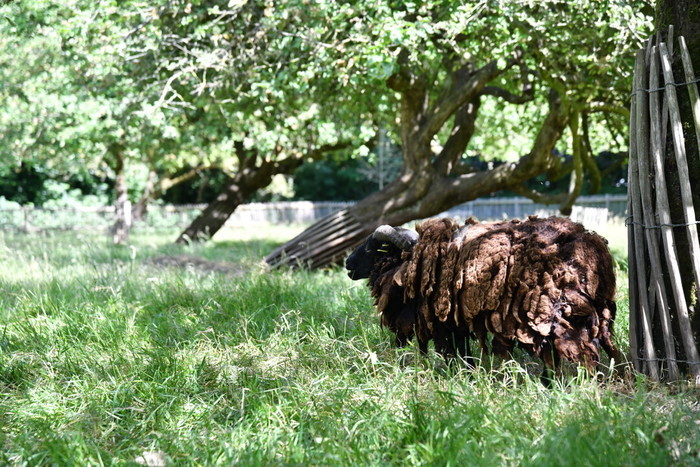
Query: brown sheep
x=546 y=284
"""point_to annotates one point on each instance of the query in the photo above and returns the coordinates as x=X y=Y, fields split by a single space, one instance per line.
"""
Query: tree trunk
x=237 y=191
x=141 y=207
x=122 y=207
x=254 y=173
x=684 y=16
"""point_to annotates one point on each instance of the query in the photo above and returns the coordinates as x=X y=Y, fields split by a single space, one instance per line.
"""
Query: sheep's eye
x=384 y=248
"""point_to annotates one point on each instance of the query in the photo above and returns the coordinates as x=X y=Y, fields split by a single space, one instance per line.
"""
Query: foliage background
x=174 y=84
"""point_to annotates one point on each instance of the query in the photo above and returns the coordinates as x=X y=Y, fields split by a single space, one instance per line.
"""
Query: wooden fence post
x=638 y=248
x=25 y=212
x=650 y=117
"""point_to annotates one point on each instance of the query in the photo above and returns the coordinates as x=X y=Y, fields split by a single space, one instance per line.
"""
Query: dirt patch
x=195 y=262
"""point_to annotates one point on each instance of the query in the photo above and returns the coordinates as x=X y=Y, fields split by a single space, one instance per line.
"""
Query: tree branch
x=413 y=108
x=169 y=182
x=464 y=87
x=536 y=196
x=462 y=168
x=618 y=160
x=615 y=131
x=317 y=153
x=540 y=157
x=507 y=95
x=512 y=175
x=607 y=107
x=577 y=174
x=527 y=94
x=462 y=132
x=587 y=157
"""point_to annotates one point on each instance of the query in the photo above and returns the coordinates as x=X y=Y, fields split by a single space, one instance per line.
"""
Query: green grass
x=108 y=358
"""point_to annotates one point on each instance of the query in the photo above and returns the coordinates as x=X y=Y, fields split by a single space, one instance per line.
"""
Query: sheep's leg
x=423 y=346
x=551 y=363
x=453 y=344
x=547 y=377
x=401 y=340
x=502 y=347
x=462 y=344
x=422 y=333
x=442 y=342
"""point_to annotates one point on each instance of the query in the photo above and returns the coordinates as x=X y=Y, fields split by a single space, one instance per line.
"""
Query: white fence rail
x=506 y=208
x=591 y=210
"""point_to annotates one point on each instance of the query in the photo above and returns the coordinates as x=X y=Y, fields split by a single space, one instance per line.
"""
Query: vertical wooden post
x=683 y=318
x=663 y=210
x=638 y=248
x=664 y=111
x=25 y=212
x=631 y=246
x=692 y=87
x=686 y=196
x=681 y=162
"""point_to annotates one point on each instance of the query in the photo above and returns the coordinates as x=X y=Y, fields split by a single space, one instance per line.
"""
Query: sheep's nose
x=349 y=263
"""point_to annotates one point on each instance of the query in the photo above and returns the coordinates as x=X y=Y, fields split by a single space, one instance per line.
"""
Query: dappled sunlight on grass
x=269 y=233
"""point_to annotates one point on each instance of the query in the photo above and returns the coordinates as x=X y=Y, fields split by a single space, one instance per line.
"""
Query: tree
x=269 y=75
x=68 y=103
x=150 y=89
x=566 y=63
x=88 y=95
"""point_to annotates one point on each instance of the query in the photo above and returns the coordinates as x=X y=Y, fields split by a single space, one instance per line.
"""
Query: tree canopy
x=556 y=74
x=256 y=89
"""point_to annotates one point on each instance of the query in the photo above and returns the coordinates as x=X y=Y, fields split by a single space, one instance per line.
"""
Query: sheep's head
x=385 y=242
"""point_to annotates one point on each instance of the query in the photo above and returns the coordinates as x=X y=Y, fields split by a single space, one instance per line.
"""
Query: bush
x=331 y=181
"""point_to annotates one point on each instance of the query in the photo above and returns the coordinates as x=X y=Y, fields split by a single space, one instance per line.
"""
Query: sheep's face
x=385 y=246
x=363 y=261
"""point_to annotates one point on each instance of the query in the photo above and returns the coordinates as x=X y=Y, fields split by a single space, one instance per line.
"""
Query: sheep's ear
x=402 y=238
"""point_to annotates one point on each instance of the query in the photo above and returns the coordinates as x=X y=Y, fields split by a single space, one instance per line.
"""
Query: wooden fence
x=661 y=337
x=592 y=211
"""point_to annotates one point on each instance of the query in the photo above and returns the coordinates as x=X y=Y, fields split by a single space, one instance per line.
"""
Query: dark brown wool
x=546 y=284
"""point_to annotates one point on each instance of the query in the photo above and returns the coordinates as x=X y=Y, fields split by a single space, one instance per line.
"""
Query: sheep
x=546 y=284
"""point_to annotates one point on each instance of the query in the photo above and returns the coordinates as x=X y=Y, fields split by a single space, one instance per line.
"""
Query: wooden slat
x=683 y=318
x=663 y=210
x=633 y=290
x=638 y=232
x=341 y=242
x=664 y=111
x=336 y=252
x=681 y=163
x=656 y=292
x=692 y=87
x=655 y=296
x=319 y=226
x=302 y=249
x=316 y=232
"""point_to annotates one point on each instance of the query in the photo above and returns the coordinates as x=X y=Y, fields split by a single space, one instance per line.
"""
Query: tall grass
x=107 y=356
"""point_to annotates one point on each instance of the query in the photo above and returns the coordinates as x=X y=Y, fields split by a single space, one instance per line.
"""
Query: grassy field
x=166 y=354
